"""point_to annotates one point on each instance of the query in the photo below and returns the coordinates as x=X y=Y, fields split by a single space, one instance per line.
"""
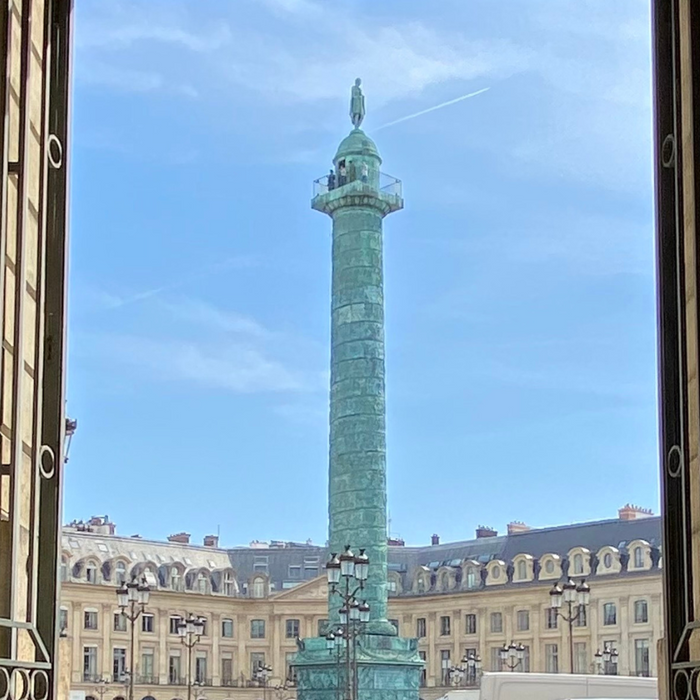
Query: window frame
x=259 y=625
x=493 y=617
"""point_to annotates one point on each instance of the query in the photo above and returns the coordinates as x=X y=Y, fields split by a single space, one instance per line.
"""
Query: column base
x=388 y=668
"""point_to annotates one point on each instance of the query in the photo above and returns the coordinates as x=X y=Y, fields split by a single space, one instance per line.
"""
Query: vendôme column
x=387 y=666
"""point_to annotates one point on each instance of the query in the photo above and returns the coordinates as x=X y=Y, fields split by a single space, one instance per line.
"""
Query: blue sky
x=519 y=278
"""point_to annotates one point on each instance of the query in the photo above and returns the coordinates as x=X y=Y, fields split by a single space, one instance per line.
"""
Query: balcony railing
x=176 y=680
x=147 y=680
x=387 y=185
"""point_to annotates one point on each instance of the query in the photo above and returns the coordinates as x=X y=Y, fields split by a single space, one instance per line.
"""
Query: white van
x=557 y=686
x=560 y=686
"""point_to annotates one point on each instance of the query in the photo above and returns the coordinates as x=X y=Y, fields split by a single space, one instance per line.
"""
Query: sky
x=519 y=278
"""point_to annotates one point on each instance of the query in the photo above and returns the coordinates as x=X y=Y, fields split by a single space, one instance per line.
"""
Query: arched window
x=522 y=570
x=259 y=588
x=229 y=584
x=471 y=577
x=549 y=566
x=91 y=572
x=64 y=569
x=202 y=582
x=638 y=558
x=607 y=560
x=145 y=697
x=120 y=572
x=578 y=563
x=175 y=579
x=496 y=572
x=421 y=584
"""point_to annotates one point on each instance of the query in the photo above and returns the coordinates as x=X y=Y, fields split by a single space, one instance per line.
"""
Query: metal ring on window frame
x=55 y=163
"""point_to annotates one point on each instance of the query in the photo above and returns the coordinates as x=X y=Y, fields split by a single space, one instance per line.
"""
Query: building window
x=445 y=625
x=226 y=670
x=64 y=569
x=424 y=670
x=294 y=571
x=292 y=629
x=90 y=620
x=580 y=657
x=549 y=566
x=471 y=577
x=120 y=572
x=444 y=666
x=321 y=628
x=551 y=658
x=119 y=622
x=174 y=676
x=91 y=572
x=578 y=564
x=392 y=586
x=174 y=623
x=641 y=612
x=289 y=672
x=175 y=579
x=63 y=619
x=118 y=663
x=523 y=620
x=607 y=560
x=610 y=667
x=147 y=675
x=258 y=587
x=522 y=570
x=257 y=629
x=202 y=582
x=229 y=585
x=495 y=658
x=227 y=627
x=582 y=617
x=260 y=564
x=470 y=623
x=609 y=614
x=496 y=622
x=257 y=661
x=641 y=657
x=638 y=558
x=396 y=624
x=89 y=664
x=420 y=627
x=147 y=622
x=311 y=567
x=200 y=668
x=550 y=618
x=525 y=663
x=496 y=572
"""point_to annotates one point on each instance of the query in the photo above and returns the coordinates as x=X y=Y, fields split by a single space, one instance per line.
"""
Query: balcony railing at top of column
x=387 y=184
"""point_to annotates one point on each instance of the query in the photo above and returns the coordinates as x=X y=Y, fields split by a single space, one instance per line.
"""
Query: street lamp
x=573 y=596
x=134 y=597
x=467 y=672
x=262 y=675
x=347 y=575
x=101 y=687
x=512 y=656
x=606 y=661
x=190 y=632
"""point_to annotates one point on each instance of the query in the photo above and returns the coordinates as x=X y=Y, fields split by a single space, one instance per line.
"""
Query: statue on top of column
x=357 y=104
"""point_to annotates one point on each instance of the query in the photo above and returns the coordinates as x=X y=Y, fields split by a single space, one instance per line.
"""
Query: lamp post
x=101 y=687
x=262 y=675
x=578 y=596
x=512 y=656
x=133 y=598
x=468 y=672
x=347 y=575
x=190 y=631
x=606 y=661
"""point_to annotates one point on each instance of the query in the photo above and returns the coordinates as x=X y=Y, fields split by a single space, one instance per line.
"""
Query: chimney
x=516 y=526
x=630 y=512
x=211 y=541
x=180 y=538
x=483 y=531
x=435 y=539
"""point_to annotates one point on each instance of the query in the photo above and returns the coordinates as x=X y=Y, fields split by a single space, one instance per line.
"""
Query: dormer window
x=258 y=587
x=471 y=577
x=578 y=564
x=229 y=585
x=522 y=570
x=607 y=560
x=496 y=571
x=120 y=572
x=202 y=582
x=175 y=579
x=638 y=558
x=91 y=572
x=549 y=566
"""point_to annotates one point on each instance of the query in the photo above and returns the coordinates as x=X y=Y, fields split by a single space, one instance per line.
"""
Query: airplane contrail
x=432 y=109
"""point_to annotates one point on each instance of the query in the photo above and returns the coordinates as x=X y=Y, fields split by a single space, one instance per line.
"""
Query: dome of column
x=357 y=143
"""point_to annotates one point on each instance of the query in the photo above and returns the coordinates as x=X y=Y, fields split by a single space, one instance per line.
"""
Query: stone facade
x=452 y=597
